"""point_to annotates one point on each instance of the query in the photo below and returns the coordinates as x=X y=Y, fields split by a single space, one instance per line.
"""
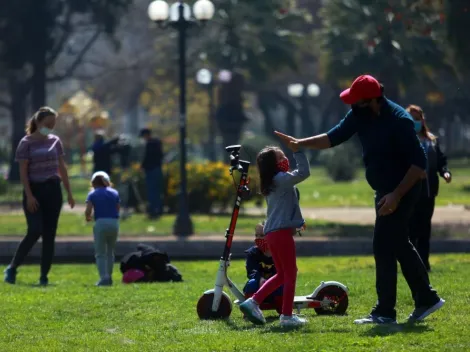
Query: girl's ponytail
x=31 y=126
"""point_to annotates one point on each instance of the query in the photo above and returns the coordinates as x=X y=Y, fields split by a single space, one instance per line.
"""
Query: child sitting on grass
x=260 y=267
x=104 y=201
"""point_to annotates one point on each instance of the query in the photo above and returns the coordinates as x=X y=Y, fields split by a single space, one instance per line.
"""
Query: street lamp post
x=299 y=91
x=304 y=94
x=204 y=77
x=179 y=17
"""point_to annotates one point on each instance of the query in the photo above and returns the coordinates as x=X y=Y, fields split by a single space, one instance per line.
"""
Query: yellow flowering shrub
x=209 y=185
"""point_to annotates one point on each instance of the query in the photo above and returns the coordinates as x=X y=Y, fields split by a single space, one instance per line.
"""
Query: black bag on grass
x=155 y=265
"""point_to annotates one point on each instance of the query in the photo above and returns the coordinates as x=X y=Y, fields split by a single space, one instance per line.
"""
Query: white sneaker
x=293 y=320
x=252 y=312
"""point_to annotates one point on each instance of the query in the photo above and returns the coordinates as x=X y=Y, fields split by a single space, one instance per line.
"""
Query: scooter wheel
x=204 y=307
x=337 y=296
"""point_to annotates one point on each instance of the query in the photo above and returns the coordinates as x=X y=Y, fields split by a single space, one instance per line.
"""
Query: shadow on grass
x=247 y=325
x=35 y=285
x=272 y=326
x=404 y=328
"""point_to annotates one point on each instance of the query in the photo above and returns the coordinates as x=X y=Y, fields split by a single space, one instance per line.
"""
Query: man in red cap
x=394 y=161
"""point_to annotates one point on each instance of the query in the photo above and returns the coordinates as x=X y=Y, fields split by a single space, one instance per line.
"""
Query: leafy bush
x=209 y=185
x=340 y=162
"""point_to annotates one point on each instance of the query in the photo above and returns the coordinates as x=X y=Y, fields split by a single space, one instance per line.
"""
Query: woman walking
x=42 y=168
x=420 y=225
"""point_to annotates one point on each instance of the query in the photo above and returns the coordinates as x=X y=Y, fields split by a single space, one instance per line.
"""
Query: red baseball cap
x=363 y=87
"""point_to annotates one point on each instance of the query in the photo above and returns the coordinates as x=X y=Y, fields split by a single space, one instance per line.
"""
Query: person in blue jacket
x=395 y=164
x=260 y=267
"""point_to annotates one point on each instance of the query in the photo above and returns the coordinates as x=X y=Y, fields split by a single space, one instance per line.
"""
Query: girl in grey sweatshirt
x=283 y=218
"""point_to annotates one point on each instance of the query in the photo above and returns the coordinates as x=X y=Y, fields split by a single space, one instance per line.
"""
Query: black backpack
x=155 y=264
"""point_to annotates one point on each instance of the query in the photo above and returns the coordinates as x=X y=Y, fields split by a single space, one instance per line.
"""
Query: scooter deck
x=297 y=299
x=301 y=299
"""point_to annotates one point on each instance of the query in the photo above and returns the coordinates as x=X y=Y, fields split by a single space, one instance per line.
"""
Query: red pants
x=282 y=247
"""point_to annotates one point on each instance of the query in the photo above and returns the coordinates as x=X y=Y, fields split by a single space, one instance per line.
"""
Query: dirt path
x=449 y=215
x=366 y=216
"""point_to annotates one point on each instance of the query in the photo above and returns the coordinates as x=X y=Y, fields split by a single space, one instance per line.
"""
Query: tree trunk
x=308 y=128
x=230 y=115
x=291 y=114
x=265 y=101
x=39 y=98
x=387 y=74
x=18 y=118
x=39 y=95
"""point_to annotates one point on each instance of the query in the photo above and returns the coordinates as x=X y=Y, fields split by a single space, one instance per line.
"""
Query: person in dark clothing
x=152 y=166
x=260 y=267
x=102 y=151
x=395 y=162
x=420 y=224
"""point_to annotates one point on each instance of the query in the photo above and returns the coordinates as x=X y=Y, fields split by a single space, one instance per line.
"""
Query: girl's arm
x=289 y=179
x=252 y=267
x=88 y=211
x=441 y=161
x=24 y=178
x=64 y=175
x=31 y=202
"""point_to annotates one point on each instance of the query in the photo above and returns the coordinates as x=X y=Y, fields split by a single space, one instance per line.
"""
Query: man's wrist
x=398 y=194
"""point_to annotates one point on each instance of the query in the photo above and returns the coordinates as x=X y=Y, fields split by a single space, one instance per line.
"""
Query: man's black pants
x=391 y=243
x=420 y=227
x=42 y=223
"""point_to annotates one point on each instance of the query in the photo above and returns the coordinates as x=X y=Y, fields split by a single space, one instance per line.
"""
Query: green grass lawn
x=320 y=191
x=75 y=224
x=71 y=224
x=316 y=191
x=73 y=315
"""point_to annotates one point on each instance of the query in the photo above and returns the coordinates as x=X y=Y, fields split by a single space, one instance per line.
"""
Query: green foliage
x=457 y=13
x=394 y=42
x=341 y=162
x=160 y=98
x=258 y=37
x=26 y=24
x=210 y=185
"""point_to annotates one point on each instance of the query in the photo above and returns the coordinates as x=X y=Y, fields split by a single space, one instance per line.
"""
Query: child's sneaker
x=292 y=320
x=105 y=282
x=10 y=275
x=251 y=310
